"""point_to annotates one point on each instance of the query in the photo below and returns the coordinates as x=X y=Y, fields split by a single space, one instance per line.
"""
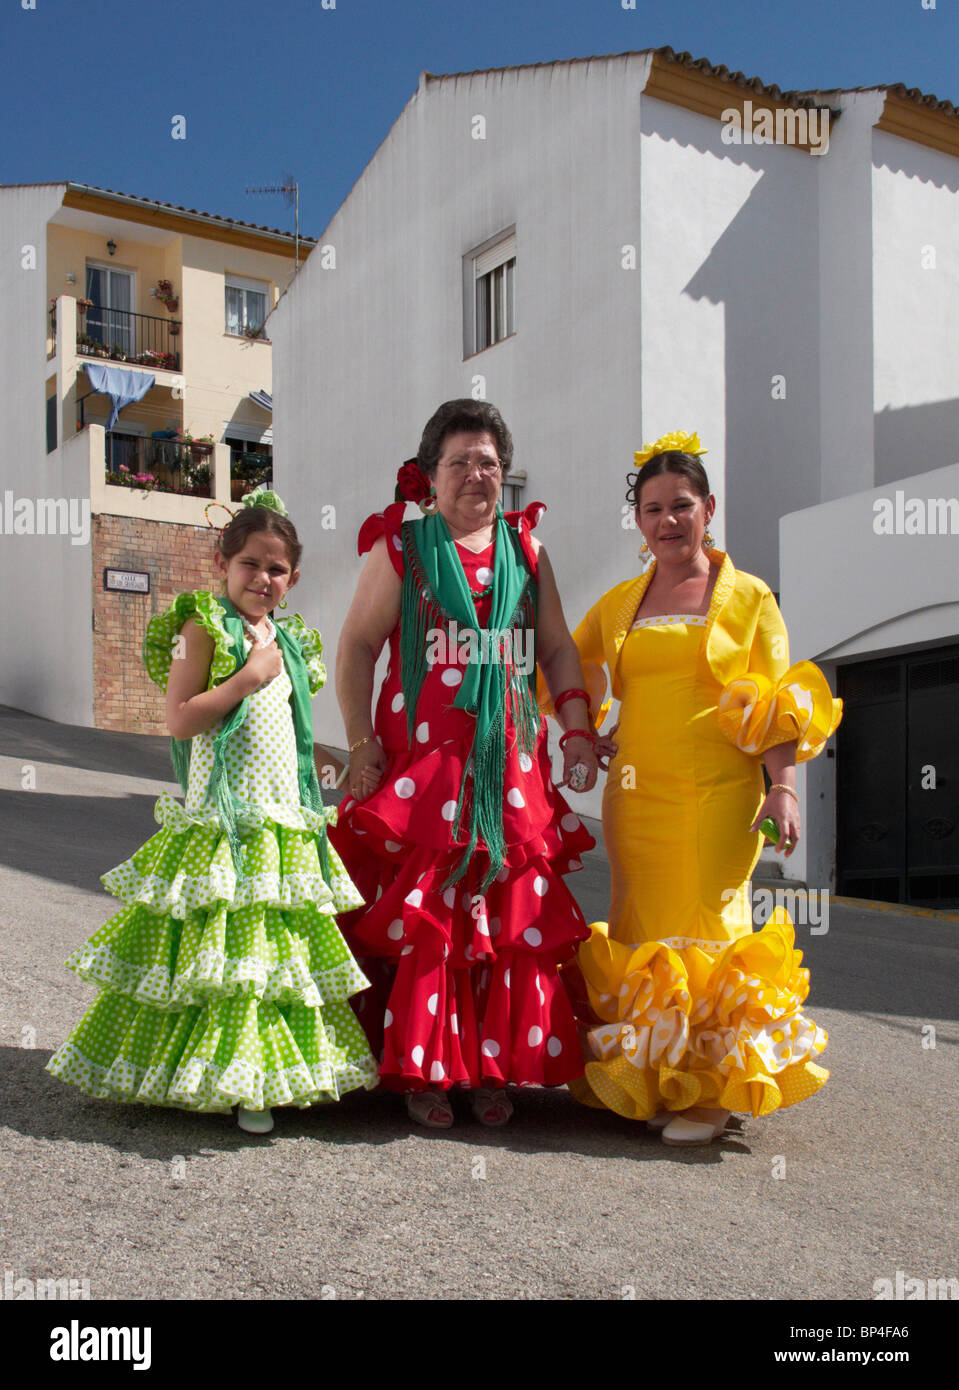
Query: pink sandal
x=430 y=1108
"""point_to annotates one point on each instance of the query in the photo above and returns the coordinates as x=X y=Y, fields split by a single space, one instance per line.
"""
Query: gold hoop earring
x=429 y=505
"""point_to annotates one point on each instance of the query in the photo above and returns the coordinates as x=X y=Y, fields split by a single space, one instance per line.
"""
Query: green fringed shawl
x=218 y=786
x=436 y=592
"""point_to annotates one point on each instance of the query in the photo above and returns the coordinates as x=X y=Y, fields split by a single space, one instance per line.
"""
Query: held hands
x=784 y=810
x=367 y=766
x=605 y=749
x=579 y=750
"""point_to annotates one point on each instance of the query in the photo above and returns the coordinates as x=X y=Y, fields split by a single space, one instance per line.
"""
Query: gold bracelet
x=781 y=787
x=359 y=744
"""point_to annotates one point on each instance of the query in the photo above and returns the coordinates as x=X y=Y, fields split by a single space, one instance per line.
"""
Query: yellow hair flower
x=681 y=442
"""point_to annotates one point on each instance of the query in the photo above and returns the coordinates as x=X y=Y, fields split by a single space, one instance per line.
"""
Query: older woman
x=453 y=831
x=696 y=1015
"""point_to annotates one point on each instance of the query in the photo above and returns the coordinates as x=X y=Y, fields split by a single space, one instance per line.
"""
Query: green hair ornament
x=263 y=496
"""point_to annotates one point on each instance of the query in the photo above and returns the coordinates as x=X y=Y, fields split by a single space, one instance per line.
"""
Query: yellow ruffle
x=693 y=1026
x=755 y=713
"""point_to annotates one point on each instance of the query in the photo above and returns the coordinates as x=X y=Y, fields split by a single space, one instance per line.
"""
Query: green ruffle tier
x=220 y=989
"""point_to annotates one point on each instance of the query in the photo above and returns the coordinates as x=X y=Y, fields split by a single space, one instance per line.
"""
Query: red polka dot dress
x=465 y=984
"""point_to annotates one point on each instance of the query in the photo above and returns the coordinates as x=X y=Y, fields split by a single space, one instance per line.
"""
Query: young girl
x=225 y=980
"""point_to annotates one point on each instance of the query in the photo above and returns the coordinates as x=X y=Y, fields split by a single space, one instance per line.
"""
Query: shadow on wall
x=916 y=439
x=926 y=165
x=763 y=269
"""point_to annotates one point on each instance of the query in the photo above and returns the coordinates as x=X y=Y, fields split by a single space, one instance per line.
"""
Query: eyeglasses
x=458 y=468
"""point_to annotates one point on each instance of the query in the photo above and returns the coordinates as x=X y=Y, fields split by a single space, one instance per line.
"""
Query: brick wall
x=177 y=558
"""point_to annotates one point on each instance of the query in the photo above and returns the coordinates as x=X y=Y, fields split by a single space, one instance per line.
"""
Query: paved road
x=565 y=1203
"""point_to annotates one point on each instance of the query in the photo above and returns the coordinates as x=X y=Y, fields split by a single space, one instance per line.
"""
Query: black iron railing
x=117 y=334
x=160 y=465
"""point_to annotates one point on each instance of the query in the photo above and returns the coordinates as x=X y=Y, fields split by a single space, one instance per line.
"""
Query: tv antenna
x=290 y=190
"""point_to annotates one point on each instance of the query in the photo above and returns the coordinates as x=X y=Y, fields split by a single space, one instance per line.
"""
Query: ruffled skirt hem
x=207 y=1088
x=679 y=1027
x=231 y=1052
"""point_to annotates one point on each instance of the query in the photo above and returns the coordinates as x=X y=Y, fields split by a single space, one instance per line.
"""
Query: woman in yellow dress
x=698 y=1014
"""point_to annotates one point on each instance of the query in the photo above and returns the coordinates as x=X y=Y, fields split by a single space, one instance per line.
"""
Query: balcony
x=94 y=456
x=158 y=465
x=122 y=336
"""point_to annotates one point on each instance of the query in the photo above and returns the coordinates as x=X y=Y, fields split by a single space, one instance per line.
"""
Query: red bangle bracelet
x=577 y=733
x=560 y=700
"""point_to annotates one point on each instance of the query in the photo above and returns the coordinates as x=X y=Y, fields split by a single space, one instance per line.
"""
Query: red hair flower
x=412 y=484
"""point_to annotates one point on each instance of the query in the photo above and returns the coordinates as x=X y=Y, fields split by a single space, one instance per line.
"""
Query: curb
x=902 y=909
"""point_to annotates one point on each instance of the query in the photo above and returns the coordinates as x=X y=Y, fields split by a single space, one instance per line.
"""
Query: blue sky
x=274 y=85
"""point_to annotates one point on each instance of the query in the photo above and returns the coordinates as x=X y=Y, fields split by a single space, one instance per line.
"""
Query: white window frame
x=516 y=477
x=91 y=264
x=244 y=283
x=483 y=260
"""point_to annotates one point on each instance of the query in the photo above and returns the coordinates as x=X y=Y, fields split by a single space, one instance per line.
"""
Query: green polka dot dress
x=220 y=987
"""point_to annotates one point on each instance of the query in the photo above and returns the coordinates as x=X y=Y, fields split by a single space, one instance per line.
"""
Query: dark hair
x=687 y=466
x=463 y=416
x=248 y=521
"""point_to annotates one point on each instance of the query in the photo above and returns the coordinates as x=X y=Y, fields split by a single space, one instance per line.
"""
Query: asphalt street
x=351 y=1201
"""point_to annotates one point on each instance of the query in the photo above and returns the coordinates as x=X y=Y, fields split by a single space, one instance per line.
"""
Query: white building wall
x=730 y=249
x=45 y=580
x=850 y=592
x=916 y=293
x=755 y=262
x=845 y=292
x=366 y=352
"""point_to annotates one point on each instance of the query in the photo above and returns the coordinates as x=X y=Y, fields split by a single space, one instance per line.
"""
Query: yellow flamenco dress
x=695 y=1007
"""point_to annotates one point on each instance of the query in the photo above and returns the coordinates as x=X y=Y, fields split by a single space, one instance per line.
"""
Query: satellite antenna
x=290 y=190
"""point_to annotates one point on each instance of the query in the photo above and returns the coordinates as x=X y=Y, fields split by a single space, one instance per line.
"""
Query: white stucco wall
x=365 y=353
x=843 y=461
x=848 y=591
x=46 y=580
x=603 y=357
x=755 y=262
x=916 y=216
x=730 y=249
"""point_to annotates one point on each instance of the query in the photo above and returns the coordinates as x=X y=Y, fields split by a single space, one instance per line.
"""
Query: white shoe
x=254 y=1121
x=690 y=1133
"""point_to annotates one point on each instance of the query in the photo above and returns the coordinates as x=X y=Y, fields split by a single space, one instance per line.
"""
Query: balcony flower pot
x=163 y=291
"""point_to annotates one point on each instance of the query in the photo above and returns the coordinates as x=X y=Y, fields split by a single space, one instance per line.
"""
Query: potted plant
x=125 y=477
x=196 y=476
x=253 y=330
x=202 y=447
x=163 y=291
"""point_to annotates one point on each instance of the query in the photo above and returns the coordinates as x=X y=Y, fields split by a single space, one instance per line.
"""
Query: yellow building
x=150 y=325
